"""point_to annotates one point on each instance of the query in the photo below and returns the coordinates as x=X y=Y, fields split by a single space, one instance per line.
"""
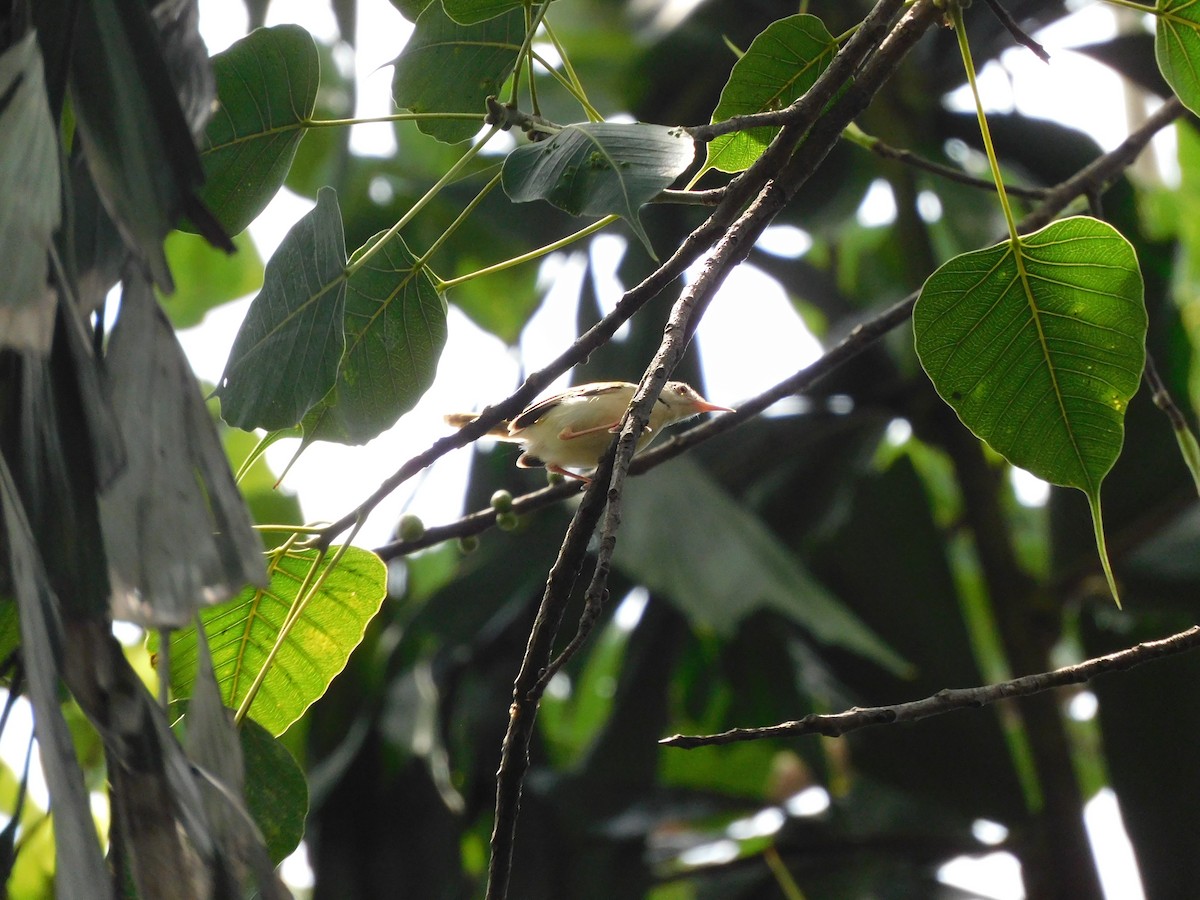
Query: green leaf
x=451 y=68
x=286 y=354
x=276 y=792
x=206 y=277
x=468 y=12
x=599 y=169
x=243 y=631
x=686 y=538
x=1177 y=48
x=395 y=331
x=779 y=67
x=266 y=92
x=29 y=184
x=1039 y=346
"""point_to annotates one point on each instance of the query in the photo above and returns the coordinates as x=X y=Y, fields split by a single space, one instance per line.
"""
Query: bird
x=571 y=430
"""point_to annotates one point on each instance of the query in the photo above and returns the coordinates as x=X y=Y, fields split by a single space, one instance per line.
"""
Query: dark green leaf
x=685 y=538
x=276 y=792
x=600 y=169
x=266 y=91
x=286 y=354
x=29 y=184
x=395 y=331
x=468 y=12
x=243 y=632
x=1038 y=346
x=206 y=277
x=780 y=65
x=451 y=68
x=410 y=9
x=1177 y=48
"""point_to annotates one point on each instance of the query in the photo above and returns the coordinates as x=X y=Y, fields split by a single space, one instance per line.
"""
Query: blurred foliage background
x=872 y=494
x=919 y=535
x=915 y=529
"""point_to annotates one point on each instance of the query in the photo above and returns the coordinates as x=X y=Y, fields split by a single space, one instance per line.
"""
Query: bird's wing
x=535 y=413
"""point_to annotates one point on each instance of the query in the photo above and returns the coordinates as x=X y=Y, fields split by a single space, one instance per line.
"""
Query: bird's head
x=683 y=401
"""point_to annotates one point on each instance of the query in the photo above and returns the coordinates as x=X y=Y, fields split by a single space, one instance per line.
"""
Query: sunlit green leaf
x=242 y=632
x=780 y=65
x=451 y=68
x=1039 y=346
x=286 y=354
x=597 y=169
x=266 y=91
x=1177 y=48
x=395 y=324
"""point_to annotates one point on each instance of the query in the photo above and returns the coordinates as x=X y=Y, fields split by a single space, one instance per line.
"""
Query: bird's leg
x=569 y=474
x=569 y=434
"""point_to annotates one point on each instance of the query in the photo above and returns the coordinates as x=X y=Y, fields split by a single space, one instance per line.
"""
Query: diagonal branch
x=944 y=701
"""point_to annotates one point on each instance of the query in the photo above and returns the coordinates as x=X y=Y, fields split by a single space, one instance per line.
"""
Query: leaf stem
x=577 y=91
x=422 y=261
x=531 y=255
x=1136 y=7
x=450 y=175
x=308 y=589
x=964 y=47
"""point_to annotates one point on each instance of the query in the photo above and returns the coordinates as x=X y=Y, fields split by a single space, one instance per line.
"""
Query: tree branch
x=1089 y=180
x=838 y=724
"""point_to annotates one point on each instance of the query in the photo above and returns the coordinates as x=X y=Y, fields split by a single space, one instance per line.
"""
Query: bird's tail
x=461 y=420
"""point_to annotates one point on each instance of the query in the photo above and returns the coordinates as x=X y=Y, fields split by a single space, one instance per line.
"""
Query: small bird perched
x=574 y=428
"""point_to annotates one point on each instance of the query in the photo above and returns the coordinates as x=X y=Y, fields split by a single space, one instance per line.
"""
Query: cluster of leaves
x=758 y=584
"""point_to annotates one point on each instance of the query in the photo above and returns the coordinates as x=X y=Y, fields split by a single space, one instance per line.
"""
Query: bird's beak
x=705 y=406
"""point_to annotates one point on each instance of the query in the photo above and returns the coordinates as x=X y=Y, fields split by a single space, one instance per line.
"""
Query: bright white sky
x=477 y=369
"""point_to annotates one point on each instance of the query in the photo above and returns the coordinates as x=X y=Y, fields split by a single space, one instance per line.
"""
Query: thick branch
x=838 y=724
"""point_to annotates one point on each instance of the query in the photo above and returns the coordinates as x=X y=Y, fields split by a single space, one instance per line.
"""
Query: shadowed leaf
x=597 y=169
x=395 y=331
x=451 y=68
x=286 y=354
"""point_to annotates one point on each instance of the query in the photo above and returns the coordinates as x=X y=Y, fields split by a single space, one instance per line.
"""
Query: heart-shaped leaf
x=1177 y=48
x=1038 y=345
x=242 y=633
x=600 y=168
x=395 y=325
x=451 y=68
x=266 y=92
x=780 y=65
x=286 y=354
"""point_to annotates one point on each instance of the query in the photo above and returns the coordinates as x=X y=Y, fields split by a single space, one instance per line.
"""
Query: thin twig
x=802 y=111
x=515 y=749
x=730 y=251
x=1019 y=34
x=944 y=701
x=886 y=151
